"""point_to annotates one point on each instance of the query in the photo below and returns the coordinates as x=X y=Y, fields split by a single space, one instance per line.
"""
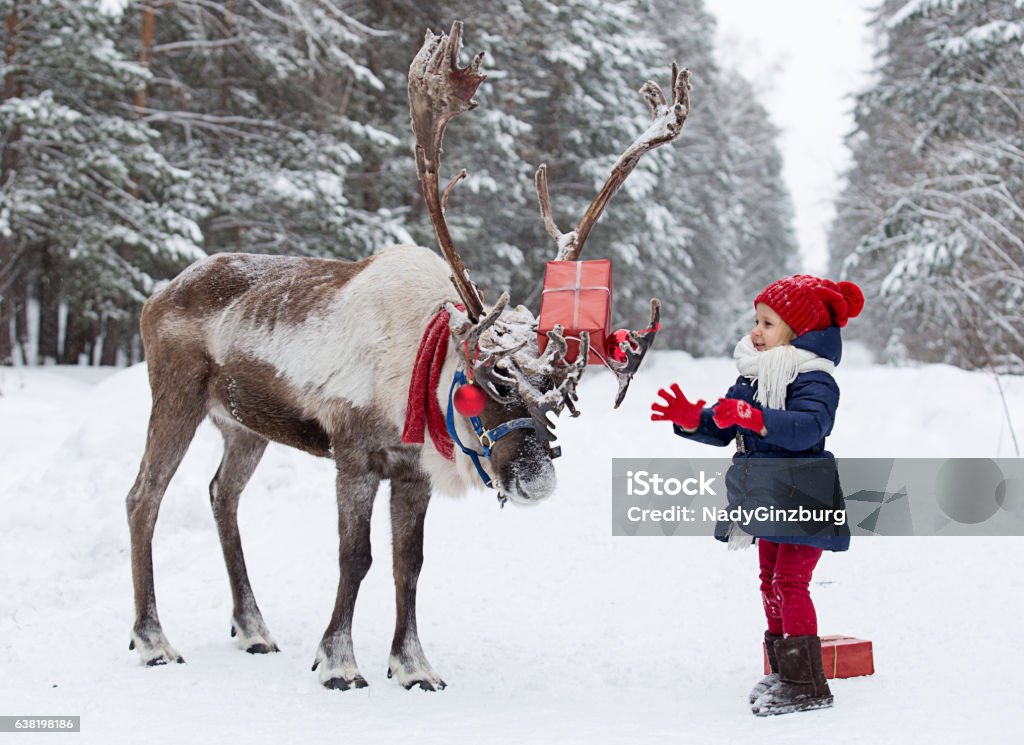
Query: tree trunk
x=111 y=342
x=225 y=59
x=49 y=291
x=8 y=163
x=133 y=344
x=77 y=333
x=146 y=39
x=19 y=296
x=6 y=313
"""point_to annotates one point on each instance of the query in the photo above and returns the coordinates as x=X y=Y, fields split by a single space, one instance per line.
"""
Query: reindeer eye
x=503 y=391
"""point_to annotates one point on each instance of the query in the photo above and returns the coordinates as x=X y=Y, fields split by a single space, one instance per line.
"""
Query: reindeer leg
x=172 y=424
x=407 y=663
x=357 y=487
x=242 y=452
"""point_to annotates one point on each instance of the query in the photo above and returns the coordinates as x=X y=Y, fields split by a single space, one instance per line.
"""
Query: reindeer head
x=524 y=387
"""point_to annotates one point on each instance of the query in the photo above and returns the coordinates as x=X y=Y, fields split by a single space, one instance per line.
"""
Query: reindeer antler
x=563 y=375
x=667 y=122
x=635 y=349
x=439 y=90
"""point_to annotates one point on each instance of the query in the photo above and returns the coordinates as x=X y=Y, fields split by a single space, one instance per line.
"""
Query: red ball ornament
x=470 y=400
x=611 y=344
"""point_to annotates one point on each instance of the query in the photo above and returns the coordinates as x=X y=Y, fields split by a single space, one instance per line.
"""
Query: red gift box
x=578 y=297
x=842 y=657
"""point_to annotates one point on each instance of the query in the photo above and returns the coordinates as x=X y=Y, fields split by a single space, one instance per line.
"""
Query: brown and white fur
x=316 y=354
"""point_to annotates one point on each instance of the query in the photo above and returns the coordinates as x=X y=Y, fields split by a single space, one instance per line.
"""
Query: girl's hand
x=677 y=409
x=730 y=411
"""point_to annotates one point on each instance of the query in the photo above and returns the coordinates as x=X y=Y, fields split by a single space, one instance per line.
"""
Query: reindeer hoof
x=337 y=666
x=162 y=660
x=340 y=684
x=262 y=649
x=253 y=636
x=426 y=685
x=154 y=649
x=414 y=673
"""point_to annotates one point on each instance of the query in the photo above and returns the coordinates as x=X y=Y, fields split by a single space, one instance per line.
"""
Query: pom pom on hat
x=809 y=303
x=854 y=298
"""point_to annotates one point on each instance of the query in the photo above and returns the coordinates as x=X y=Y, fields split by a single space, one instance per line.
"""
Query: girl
x=782 y=406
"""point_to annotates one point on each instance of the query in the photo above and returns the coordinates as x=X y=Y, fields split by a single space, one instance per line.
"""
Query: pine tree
x=182 y=126
x=759 y=217
x=75 y=200
x=562 y=90
x=253 y=99
x=932 y=217
x=725 y=191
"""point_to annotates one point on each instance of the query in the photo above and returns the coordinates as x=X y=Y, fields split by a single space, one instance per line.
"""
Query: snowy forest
x=140 y=136
x=931 y=220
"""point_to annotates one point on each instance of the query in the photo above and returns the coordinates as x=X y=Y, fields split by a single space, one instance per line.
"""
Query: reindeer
x=254 y=343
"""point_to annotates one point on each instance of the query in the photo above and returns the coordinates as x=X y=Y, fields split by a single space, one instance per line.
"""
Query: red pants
x=785 y=575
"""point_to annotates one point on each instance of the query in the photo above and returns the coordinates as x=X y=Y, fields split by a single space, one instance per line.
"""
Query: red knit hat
x=808 y=303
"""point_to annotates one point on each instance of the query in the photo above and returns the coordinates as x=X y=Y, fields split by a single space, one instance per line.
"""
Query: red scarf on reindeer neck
x=422 y=410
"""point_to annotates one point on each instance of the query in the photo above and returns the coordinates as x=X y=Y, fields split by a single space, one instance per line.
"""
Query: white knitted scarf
x=773 y=370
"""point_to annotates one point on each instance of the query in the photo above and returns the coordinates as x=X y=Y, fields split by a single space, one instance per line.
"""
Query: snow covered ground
x=546 y=628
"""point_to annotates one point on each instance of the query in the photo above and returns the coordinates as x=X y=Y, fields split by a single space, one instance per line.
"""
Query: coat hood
x=826 y=343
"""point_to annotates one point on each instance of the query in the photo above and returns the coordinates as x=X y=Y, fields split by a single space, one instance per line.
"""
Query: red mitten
x=730 y=411
x=677 y=409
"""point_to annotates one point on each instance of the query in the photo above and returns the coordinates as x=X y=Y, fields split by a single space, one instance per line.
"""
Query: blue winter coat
x=807 y=477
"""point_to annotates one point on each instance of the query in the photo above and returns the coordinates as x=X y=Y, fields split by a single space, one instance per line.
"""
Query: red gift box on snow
x=578 y=297
x=842 y=657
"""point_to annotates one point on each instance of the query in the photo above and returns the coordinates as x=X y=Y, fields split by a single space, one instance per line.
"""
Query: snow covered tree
x=78 y=216
x=759 y=214
x=562 y=90
x=253 y=99
x=932 y=219
x=579 y=76
x=490 y=211
x=142 y=136
x=726 y=190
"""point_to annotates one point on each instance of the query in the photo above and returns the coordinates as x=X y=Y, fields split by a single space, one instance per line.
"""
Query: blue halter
x=487 y=437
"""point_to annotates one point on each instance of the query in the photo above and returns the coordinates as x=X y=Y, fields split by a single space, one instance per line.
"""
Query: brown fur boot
x=802 y=685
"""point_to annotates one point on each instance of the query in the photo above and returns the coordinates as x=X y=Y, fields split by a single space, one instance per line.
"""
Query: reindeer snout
x=530 y=491
x=529 y=479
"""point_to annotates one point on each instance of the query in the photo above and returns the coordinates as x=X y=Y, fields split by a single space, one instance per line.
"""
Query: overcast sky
x=808 y=56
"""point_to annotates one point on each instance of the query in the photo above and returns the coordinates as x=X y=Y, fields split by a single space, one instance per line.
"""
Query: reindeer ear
x=459 y=322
